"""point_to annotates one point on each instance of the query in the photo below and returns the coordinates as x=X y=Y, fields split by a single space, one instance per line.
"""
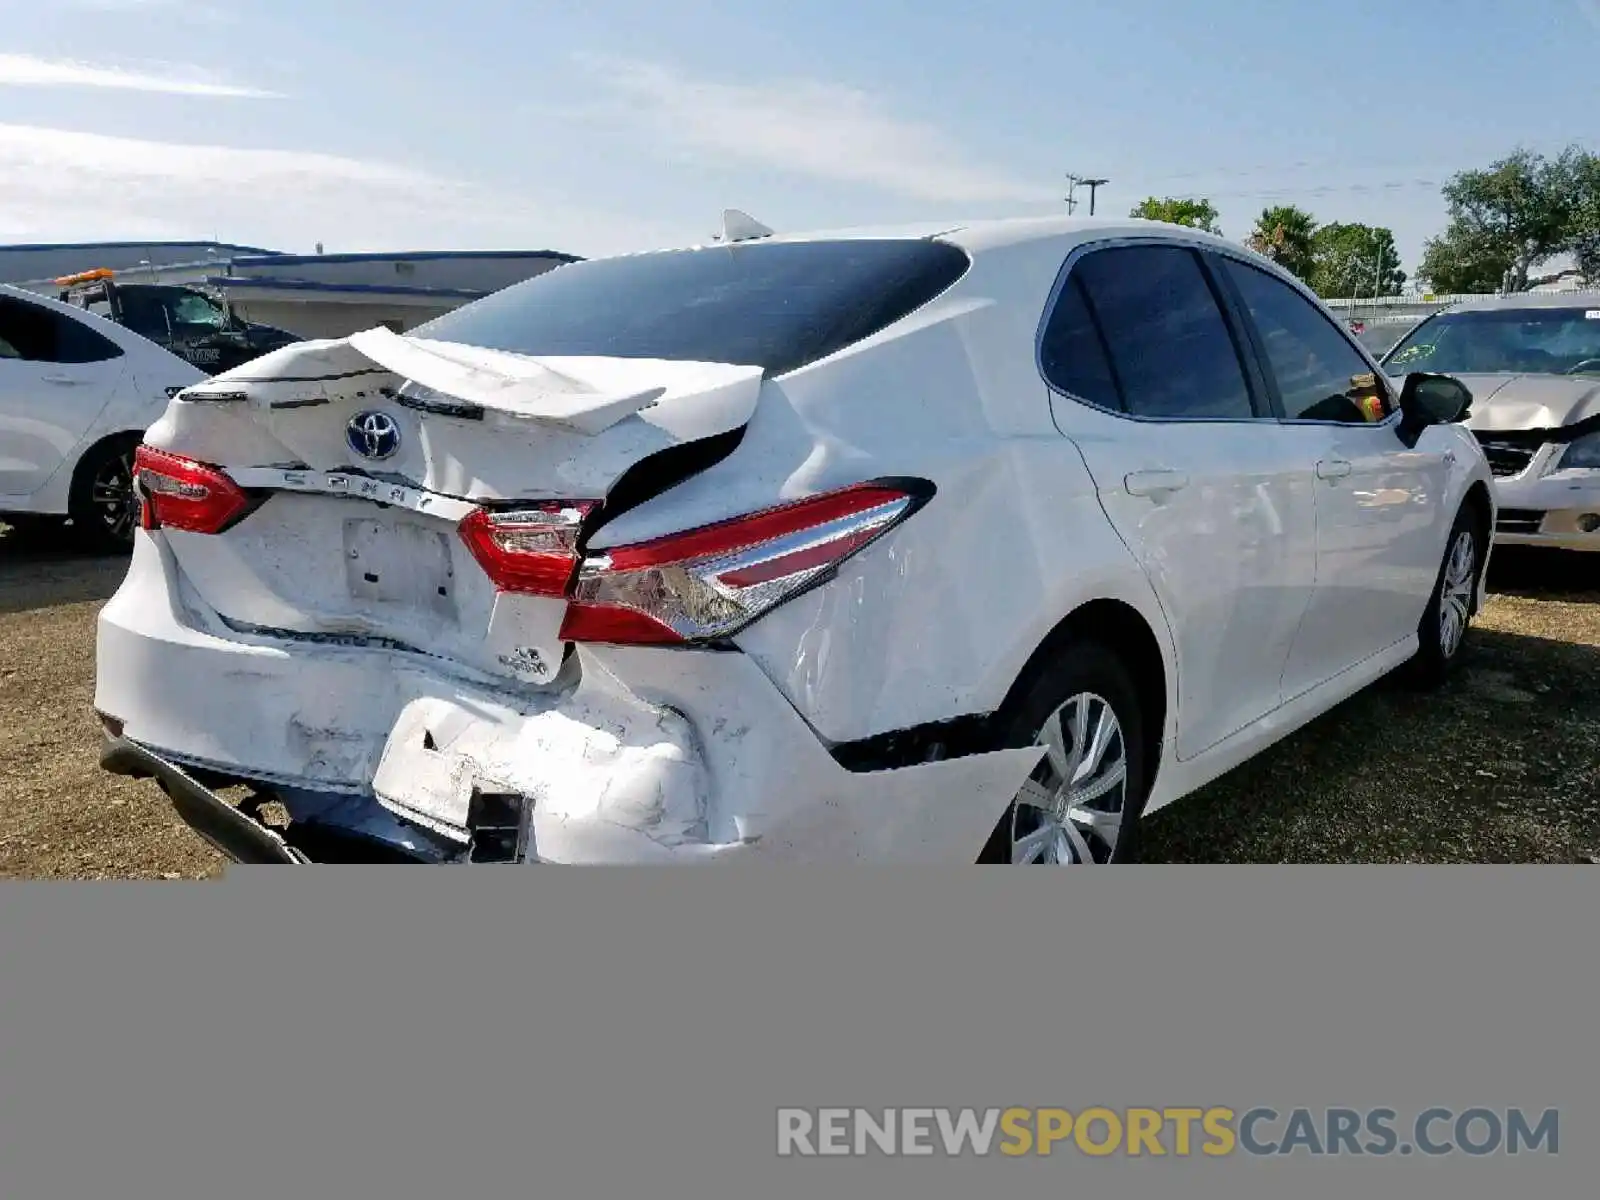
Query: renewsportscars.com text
x=1156 y=1132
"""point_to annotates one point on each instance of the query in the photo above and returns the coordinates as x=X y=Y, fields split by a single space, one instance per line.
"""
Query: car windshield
x=776 y=305
x=1542 y=341
x=191 y=308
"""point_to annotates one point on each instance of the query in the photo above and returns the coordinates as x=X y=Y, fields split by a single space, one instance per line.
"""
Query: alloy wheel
x=112 y=498
x=1071 y=809
x=1455 y=593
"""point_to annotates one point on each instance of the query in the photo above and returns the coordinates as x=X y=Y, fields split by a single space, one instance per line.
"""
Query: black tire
x=102 y=507
x=1436 y=658
x=1082 y=668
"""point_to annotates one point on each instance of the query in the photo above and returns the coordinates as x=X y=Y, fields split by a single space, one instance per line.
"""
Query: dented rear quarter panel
x=913 y=629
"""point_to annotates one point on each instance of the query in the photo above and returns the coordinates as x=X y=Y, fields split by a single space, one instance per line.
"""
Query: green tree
x=1581 y=179
x=1460 y=260
x=1513 y=214
x=1200 y=213
x=1286 y=235
x=1355 y=260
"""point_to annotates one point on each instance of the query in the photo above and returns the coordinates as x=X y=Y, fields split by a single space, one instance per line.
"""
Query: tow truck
x=192 y=323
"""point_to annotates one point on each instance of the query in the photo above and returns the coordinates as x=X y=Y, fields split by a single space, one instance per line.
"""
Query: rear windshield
x=776 y=305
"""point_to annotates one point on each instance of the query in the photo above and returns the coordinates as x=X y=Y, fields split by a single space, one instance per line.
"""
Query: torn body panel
x=696 y=755
x=529 y=427
x=342 y=545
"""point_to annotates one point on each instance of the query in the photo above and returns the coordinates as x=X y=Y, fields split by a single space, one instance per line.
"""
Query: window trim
x=1258 y=343
x=1244 y=352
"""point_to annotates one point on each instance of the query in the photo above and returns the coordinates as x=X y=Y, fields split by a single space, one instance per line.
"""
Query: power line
x=1328 y=189
x=1547 y=147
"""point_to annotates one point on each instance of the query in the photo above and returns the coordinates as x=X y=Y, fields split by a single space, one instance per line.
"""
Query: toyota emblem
x=373 y=434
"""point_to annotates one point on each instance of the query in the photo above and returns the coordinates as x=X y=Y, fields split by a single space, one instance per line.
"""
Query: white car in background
x=929 y=544
x=76 y=394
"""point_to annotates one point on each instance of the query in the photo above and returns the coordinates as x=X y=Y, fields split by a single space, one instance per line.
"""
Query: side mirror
x=1427 y=399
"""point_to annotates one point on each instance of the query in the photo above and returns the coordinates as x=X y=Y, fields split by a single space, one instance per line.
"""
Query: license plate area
x=399 y=562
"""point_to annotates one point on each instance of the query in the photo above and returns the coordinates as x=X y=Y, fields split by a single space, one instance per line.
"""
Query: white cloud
x=64 y=185
x=183 y=11
x=23 y=70
x=807 y=127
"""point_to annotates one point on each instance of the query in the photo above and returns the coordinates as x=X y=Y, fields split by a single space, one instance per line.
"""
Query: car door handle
x=1150 y=483
x=61 y=380
x=1333 y=468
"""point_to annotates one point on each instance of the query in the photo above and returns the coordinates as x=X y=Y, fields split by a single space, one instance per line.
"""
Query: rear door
x=56 y=376
x=1211 y=497
x=1380 y=523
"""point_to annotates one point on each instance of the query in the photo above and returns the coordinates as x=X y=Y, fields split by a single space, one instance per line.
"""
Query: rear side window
x=37 y=334
x=1169 y=345
x=776 y=305
x=1073 y=354
x=1139 y=328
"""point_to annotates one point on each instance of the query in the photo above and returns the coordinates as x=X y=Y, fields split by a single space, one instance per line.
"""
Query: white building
x=314 y=295
x=331 y=295
x=37 y=266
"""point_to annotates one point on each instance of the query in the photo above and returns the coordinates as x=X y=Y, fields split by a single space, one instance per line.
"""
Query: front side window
x=144 y=313
x=1169 y=347
x=1320 y=376
x=36 y=334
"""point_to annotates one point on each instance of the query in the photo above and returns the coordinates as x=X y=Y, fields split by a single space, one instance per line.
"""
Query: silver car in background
x=1532 y=363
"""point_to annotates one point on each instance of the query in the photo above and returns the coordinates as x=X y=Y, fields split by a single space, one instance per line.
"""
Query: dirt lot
x=1504 y=766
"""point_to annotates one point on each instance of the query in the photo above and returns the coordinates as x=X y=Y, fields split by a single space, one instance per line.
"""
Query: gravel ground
x=1502 y=766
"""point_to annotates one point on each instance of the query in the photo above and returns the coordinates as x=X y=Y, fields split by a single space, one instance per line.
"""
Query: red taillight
x=532 y=549
x=179 y=493
x=709 y=583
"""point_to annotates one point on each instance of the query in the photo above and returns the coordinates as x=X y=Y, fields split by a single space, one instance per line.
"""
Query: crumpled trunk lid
x=366 y=453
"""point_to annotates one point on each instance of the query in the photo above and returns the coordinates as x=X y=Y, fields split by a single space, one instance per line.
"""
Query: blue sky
x=619 y=124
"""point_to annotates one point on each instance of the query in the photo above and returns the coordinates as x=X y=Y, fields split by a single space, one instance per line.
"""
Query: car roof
x=993 y=233
x=1519 y=300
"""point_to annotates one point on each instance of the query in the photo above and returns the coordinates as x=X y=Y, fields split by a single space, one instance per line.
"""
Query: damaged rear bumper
x=230 y=831
x=328 y=828
x=654 y=755
x=916 y=803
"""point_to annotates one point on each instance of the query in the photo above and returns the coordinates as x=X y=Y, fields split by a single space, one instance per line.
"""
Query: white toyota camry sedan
x=970 y=543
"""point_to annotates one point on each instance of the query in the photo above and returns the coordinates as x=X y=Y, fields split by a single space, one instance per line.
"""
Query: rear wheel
x=1083 y=801
x=103 y=506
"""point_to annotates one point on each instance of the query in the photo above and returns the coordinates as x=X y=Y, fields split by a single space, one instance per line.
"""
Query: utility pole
x=1074 y=182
